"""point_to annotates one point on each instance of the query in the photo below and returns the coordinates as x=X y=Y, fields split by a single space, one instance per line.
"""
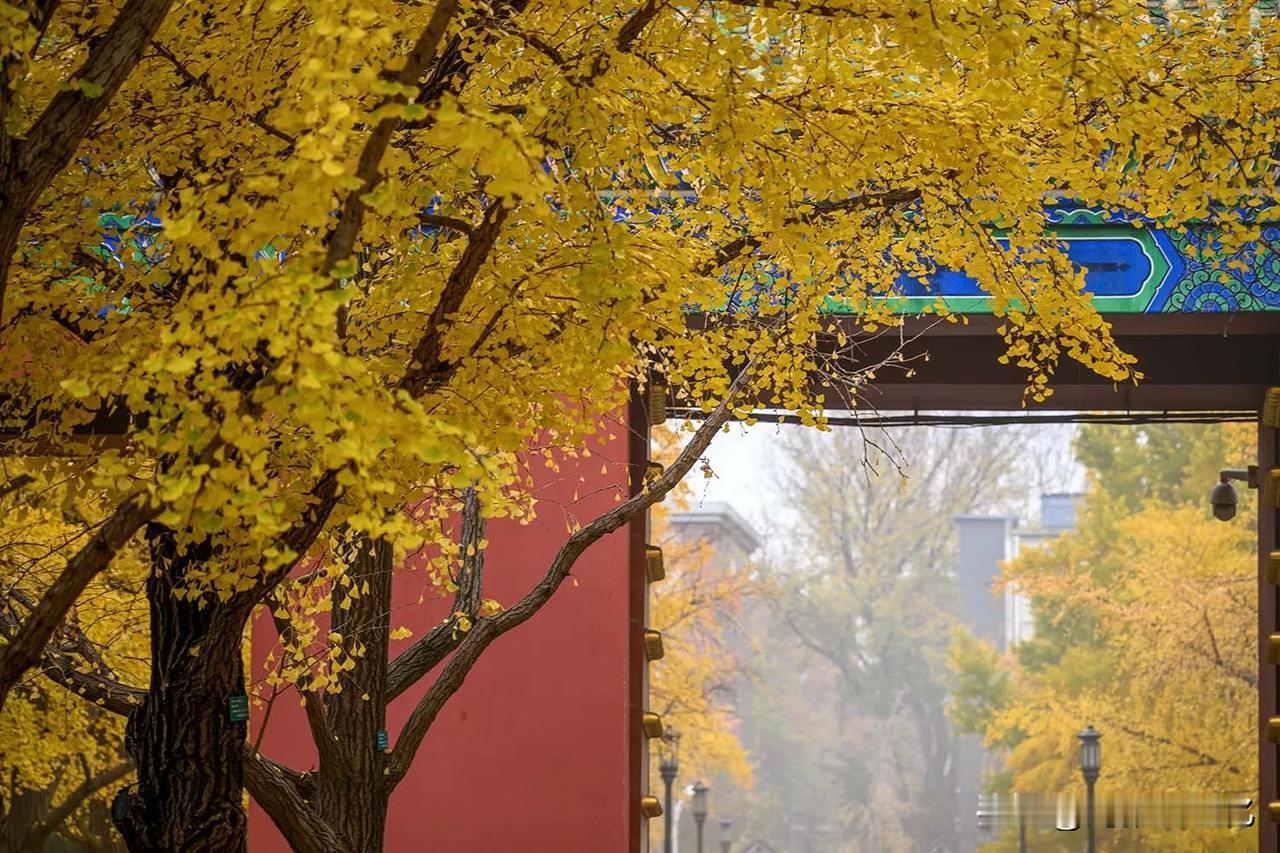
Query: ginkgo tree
x=359 y=256
x=1146 y=621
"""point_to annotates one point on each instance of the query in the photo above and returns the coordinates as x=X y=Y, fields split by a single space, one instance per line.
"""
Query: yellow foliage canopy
x=52 y=740
x=302 y=335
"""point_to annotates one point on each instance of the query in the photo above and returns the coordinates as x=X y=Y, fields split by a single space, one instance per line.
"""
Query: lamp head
x=670 y=752
x=700 y=801
x=1090 y=752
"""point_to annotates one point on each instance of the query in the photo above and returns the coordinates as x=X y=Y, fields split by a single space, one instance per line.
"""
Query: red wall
x=535 y=752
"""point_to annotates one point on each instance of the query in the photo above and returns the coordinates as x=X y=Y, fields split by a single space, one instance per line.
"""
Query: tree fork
x=187 y=749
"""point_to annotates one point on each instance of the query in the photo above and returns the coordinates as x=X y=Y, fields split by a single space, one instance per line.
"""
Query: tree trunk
x=187 y=749
x=351 y=790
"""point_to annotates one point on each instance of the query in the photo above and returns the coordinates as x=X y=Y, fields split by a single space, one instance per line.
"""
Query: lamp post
x=1090 y=768
x=1022 y=822
x=668 y=767
x=700 y=809
x=726 y=835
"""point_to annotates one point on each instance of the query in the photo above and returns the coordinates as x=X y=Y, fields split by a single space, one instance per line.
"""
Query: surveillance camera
x=1224 y=500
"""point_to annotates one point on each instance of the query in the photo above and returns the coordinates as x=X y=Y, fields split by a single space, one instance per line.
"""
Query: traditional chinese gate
x=1207 y=338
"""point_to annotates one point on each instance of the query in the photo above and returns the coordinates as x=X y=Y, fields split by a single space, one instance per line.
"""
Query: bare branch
x=426 y=653
x=485 y=631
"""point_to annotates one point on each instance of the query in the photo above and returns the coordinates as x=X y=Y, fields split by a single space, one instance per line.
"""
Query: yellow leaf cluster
x=753 y=159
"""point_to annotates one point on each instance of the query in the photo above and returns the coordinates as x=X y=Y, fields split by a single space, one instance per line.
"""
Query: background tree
x=363 y=255
x=863 y=619
x=1145 y=627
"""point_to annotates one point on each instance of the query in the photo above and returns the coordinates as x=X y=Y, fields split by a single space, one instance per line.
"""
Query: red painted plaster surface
x=531 y=754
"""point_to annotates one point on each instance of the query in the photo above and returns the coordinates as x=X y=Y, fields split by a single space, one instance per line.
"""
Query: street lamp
x=726 y=835
x=1090 y=768
x=699 y=808
x=668 y=767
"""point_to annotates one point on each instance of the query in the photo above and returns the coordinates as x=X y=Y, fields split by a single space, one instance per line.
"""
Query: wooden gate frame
x=1207 y=363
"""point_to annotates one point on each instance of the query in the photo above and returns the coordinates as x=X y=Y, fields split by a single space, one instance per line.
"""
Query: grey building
x=1002 y=619
x=718 y=524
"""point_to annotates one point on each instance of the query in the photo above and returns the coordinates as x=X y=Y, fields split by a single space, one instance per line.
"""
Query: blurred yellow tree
x=695 y=608
x=1146 y=621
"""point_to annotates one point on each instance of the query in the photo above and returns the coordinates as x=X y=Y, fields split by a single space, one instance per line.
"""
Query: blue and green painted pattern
x=1136 y=270
x=1129 y=269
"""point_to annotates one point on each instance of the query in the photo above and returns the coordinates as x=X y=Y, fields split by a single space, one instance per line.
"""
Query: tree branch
x=26 y=646
x=100 y=689
x=428 y=371
x=816 y=7
x=451 y=222
x=1203 y=758
x=312 y=703
x=202 y=83
x=280 y=793
x=19 y=482
x=425 y=654
x=350 y=220
x=59 y=665
x=33 y=162
x=485 y=631
x=36 y=836
x=817 y=210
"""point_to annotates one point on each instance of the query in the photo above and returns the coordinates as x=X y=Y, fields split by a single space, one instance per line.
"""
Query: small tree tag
x=382 y=740
x=238 y=708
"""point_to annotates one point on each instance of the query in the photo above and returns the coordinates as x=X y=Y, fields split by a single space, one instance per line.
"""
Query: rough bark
x=286 y=797
x=187 y=750
x=351 y=790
